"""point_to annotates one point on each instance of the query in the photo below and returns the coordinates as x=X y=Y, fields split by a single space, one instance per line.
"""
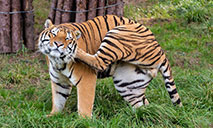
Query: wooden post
x=101 y=12
x=111 y=10
x=52 y=11
x=28 y=25
x=16 y=26
x=66 y=15
x=119 y=8
x=58 y=13
x=80 y=5
x=92 y=5
x=5 y=41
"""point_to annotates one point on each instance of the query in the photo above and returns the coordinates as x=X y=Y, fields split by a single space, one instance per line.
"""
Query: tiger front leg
x=86 y=96
x=86 y=93
x=60 y=94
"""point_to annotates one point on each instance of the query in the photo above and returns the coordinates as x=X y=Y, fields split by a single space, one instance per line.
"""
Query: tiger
x=55 y=43
x=136 y=56
x=106 y=46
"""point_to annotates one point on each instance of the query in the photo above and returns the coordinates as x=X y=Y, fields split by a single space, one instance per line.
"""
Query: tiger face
x=58 y=42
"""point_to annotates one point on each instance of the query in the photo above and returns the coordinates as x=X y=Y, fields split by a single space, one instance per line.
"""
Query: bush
x=194 y=10
x=190 y=10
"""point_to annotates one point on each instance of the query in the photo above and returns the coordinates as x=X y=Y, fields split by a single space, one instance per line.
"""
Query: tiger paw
x=49 y=115
x=52 y=114
x=71 y=52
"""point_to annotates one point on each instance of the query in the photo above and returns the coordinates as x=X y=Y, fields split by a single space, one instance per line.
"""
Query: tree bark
x=16 y=26
x=80 y=6
x=66 y=16
x=52 y=11
x=92 y=5
x=28 y=25
x=5 y=40
x=58 y=13
x=101 y=12
x=111 y=10
x=120 y=8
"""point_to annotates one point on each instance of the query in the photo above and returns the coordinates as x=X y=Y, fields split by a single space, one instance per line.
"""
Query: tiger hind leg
x=131 y=82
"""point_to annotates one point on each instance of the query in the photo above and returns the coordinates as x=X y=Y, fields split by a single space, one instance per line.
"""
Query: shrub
x=190 y=10
x=194 y=10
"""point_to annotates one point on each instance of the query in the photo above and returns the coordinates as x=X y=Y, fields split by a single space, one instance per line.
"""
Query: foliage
x=190 y=10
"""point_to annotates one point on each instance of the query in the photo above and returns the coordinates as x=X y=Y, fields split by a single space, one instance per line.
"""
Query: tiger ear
x=77 y=34
x=48 y=23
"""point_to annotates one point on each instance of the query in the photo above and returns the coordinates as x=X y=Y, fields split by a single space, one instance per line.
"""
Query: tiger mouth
x=58 y=53
x=50 y=51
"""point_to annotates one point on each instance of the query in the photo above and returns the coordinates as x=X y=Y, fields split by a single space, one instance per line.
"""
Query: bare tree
x=92 y=5
x=119 y=8
x=80 y=6
x=28 y=25
x=52 y=11
x=5 y=40
x=66 y=17
x=111 y=10
x=16 y=26
x=58 y=13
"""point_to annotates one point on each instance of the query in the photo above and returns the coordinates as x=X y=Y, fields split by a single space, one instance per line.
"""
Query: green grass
x=41 y=10
x=25 y=92
x=189 y=10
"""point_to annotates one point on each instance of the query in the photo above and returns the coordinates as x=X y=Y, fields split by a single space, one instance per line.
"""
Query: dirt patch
x=134 y=2
x=153 y=21
x=190 y=59
x=139 y=2
x=8 y=86
x=179 y=61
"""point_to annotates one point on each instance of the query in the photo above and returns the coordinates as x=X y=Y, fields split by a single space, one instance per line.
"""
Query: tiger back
x=135 y=48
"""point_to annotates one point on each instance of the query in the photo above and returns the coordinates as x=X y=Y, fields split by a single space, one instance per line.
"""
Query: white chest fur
x=62 y=73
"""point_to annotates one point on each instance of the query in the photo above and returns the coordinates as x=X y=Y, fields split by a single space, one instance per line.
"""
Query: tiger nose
x=58 y=43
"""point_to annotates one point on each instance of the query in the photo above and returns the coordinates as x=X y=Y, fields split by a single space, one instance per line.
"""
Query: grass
x=25 y=92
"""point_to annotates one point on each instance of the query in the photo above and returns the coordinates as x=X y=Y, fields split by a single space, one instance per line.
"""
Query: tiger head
x=58 y=42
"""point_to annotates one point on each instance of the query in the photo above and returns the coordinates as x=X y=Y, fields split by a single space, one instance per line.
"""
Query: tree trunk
x=80 y=6
x=101 y=12
x=52 y=11
x=120 y=8
x=92 y=5
x=5 y=41
x=16 y=26
x=58 y=13
x=111 y=10
x=28 y=25
x=66 y=15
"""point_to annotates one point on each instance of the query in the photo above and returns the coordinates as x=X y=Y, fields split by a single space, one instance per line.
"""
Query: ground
x=186 y=37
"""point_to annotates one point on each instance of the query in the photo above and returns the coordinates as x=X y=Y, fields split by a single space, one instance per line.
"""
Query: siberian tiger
x=129 y=53
x=55 y=42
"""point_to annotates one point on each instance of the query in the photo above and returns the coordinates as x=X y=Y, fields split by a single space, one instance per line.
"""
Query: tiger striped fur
x=138 y=56
x=63 y=43
x=56 y=43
